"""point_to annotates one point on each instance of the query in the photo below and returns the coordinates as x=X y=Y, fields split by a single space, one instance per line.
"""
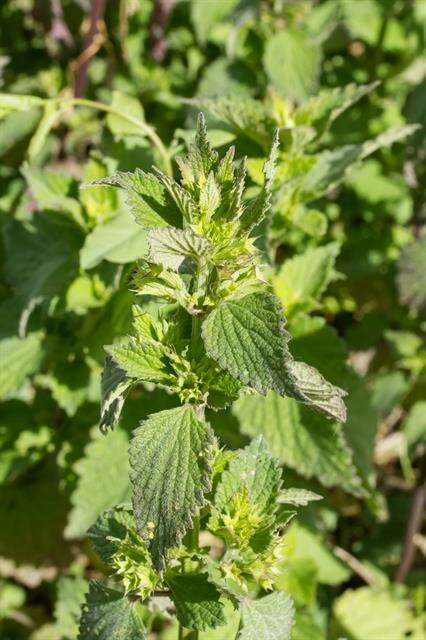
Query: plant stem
x=145 y=128
x=191 y=634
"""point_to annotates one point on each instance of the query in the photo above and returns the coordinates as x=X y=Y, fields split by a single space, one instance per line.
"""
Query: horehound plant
x=216 y=331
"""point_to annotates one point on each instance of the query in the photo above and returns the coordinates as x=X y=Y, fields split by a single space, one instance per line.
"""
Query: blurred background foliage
x=347 y=256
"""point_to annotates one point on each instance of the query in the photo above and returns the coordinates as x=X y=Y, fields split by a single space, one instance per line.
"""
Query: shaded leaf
x=109 y=615
x=197 y=602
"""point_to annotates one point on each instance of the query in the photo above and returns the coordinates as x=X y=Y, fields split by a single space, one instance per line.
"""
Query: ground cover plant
x=212 y=320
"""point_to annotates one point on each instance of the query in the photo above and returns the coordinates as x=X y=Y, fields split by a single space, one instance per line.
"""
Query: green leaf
x=388 y=390
x=102 y=481
x=109 y=615
x=257 y=210
x=411 y=270
x=299 y=579
x=146 y=197
x=56 y=240
x=246 y=336
x=373 y=614
x=206 y=14
x=51 y=191
x=112 y=525
x=120 y=240
x=197 y=602
x=414 y=425
x=315 y=391
x=129 y=106
x=68 y=383
x=328 y=171
x=140 y=360
x=257 y=471
x=27 y=536
x=322 y=109
x=15 y=127
x=12 y=597
x=301 y=280
x=297 y=497
x=305 y=544
x=170 y=458
x=309 y=444
x=180 y=196
x=270 y=618
x=243 y=115
x=70 y=597
x=114 y=384
x=175 y=248
x=292 y=62
x=20 y=358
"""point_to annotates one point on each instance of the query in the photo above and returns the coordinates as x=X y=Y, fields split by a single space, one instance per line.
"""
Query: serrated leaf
x=257 y=471
x=202 y=157
x=301 y=280
x=246 y=336
x=170 y=472
x=329 y=104
x=114 y=384
x=19 y=357
x=298 y=497
x=102 y=481
x=306 y=442
x=315 y=391
x=181 y=198
x=243 y=115
x=292 y=62
x=328 y=171
x=146 y=197
x=388 y=138
x=120 y=240
x=175 y=248
x=112 y=525
x=140 y=360
x=270 y=618
x=257 y=210
x=197 y=602
x=109 y=615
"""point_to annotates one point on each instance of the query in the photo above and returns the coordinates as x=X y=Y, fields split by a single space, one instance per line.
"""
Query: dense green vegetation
x=174 y=462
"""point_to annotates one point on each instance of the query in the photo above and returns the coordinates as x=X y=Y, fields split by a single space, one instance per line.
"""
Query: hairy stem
x=191 y=634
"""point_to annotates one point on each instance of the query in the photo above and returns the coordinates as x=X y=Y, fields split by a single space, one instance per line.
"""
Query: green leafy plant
x=90 y=91
x=219 y=332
